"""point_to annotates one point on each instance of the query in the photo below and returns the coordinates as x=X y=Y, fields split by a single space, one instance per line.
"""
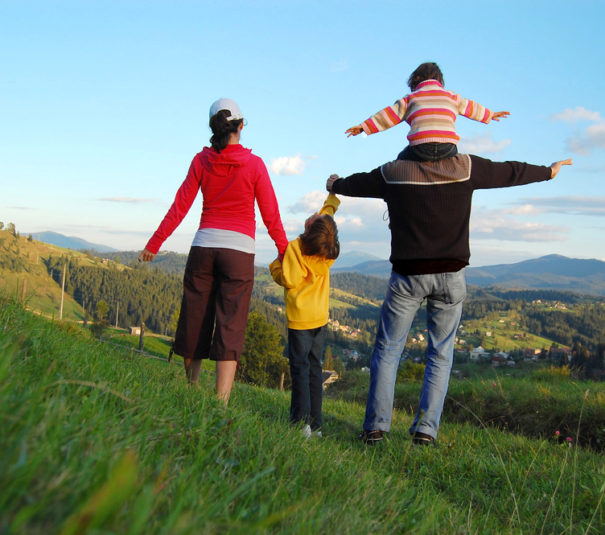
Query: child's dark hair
x=426 y=71
x=222 y=129
x=321 y=238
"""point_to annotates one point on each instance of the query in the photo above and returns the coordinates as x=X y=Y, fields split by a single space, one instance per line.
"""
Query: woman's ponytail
x=222 y=129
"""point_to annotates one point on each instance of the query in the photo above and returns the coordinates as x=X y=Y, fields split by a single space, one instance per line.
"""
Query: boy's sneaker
x=317 y=433
x=306 y=431
x=422 y=439
x=371 y=437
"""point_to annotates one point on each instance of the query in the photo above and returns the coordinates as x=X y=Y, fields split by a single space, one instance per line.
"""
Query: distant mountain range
x=347 y=260
x=552 y=272
x=70 y=242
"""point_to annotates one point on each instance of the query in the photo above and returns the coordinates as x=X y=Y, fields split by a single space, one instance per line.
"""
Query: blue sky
x=104 y=104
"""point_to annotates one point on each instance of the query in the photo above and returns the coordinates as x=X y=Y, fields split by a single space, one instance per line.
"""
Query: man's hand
x=500 y=115
x=146 y=256
x=354 y=131
x=330 y=181
x=556 y=166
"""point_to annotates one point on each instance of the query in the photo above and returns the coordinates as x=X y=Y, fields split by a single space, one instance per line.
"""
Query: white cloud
x=592 y=138
x=577 y=114
x=525 y=209
x=498 y=225
x=287 y=165
x=584 y=206
x=310 y=203
x=482 y=144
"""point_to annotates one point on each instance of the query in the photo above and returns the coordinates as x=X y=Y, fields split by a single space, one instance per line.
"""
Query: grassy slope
x=96 y=438
x=503 y=327
x=43 y=294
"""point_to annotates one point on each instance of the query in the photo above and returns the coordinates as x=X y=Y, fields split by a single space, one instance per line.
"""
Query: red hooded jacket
x=230 y=182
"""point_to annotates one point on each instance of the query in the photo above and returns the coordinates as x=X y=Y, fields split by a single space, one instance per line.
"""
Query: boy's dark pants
x=305 y=351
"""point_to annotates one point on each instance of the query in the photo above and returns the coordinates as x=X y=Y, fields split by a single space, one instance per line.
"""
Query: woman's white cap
x=226 y=104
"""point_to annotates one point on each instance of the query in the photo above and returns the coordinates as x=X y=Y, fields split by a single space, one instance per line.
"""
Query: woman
x=220 y=268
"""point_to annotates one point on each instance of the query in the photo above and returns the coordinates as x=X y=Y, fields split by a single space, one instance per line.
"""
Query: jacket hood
x=222 y=163
x=315 y=264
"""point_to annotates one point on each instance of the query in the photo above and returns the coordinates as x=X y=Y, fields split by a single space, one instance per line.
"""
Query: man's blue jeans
x=445 y=293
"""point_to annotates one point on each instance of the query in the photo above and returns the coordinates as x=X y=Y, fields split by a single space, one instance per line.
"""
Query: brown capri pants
x=216 y=297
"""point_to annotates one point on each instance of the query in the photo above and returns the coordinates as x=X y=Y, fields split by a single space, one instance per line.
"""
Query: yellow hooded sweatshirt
x=306 y=281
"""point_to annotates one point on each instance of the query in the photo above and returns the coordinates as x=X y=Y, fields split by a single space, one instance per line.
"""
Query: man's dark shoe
x=371 y=437
x=422 y=439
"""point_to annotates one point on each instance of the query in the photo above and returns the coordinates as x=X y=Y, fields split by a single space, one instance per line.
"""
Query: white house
x=478 y=353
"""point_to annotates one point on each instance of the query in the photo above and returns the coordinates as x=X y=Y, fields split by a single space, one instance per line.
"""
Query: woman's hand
x=146 y=256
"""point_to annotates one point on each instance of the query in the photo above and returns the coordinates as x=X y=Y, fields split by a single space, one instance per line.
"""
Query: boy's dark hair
x=321 y=238
x=426 y=71
x=222 y=129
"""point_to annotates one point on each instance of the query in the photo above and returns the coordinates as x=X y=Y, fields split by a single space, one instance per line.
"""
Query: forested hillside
x=134 y=293
x=168 y=262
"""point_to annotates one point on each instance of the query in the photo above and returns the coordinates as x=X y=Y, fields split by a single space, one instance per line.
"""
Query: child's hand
x=500 y=114
x=354 y=131
x=556 y=166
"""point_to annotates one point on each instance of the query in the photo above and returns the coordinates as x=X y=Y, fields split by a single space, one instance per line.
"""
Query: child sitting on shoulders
x=304 y=273
x=431 y=112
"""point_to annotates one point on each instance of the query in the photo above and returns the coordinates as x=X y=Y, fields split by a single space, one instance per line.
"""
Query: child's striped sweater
x=431 y=112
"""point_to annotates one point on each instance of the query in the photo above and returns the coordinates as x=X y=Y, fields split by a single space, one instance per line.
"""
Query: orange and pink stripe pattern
x=431 y=111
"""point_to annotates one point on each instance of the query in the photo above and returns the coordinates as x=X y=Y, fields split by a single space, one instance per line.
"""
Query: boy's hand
x=354 y=131
x=146 y=256
x=500 y=114
x=556 y=166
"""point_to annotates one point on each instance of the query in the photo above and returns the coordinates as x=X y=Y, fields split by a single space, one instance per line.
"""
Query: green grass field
x=98 y=440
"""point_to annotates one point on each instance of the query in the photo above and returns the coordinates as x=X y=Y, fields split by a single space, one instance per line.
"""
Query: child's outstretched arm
x=330 y=205
x=475 y=111
x=383 y=120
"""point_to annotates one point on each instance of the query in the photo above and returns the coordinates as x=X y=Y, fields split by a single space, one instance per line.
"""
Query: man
x=429 y=207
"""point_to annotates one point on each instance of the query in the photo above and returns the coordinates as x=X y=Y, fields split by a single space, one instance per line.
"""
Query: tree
x=328 y=359
x=101 y=323
x=11 y=228
x=579 y=357
x=174 y=320
x=262 y=362
x=339 y=367
x=102 y=310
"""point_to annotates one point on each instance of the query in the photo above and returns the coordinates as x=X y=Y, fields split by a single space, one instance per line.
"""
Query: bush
x=262 y=362
x=552 y=373
x=411 y=372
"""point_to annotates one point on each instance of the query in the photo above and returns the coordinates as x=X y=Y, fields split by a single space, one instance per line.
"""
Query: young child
x=431 y=112
x=305 y=275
